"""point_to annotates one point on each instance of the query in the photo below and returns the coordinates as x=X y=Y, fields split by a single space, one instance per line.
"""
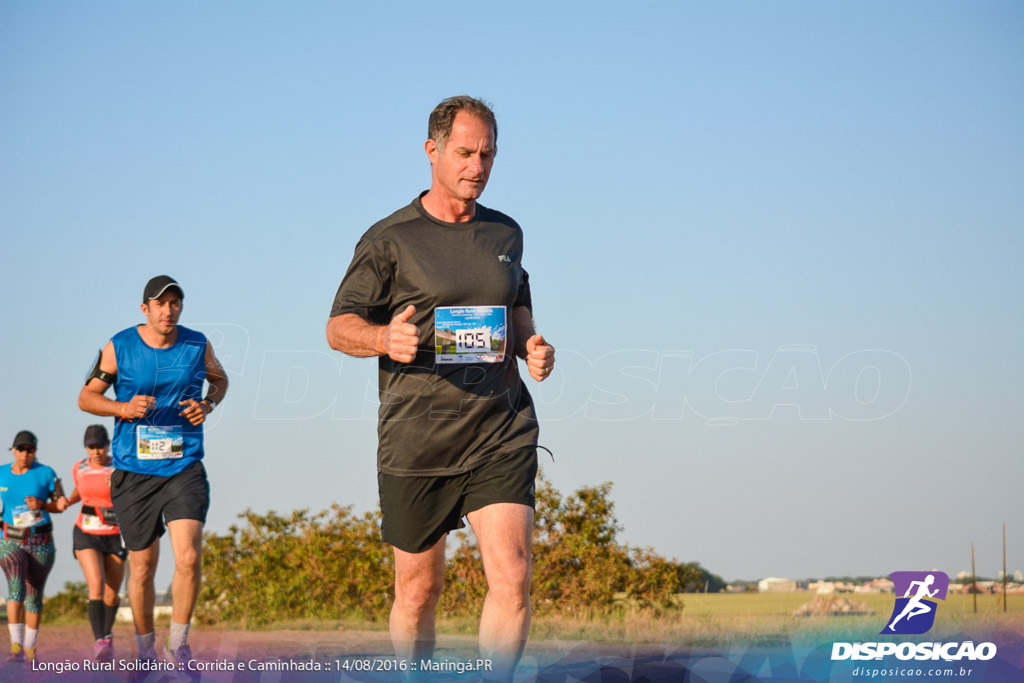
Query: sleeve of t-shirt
x=523 y=296
x=366 y=287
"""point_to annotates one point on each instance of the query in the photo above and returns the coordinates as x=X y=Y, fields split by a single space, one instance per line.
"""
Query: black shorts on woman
x=107 y=544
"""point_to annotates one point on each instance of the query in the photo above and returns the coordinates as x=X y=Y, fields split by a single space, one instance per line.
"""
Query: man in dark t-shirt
x=438 y=293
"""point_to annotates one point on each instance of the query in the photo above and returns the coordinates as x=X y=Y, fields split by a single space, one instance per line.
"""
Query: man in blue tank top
x=157 y=370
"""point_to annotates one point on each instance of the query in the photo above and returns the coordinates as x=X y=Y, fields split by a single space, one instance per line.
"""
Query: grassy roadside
x=716 y=619
x=767 y=618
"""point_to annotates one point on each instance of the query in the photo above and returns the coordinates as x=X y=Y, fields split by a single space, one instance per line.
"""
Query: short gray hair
x=439 y=126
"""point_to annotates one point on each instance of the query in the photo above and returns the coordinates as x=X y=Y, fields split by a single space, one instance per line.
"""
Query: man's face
x=162 y=314
x=461 y=169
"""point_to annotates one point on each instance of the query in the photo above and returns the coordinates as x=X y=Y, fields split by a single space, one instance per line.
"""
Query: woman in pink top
x=97 y=538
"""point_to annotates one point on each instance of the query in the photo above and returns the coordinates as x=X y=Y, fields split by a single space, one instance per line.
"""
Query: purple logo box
x=901 y=583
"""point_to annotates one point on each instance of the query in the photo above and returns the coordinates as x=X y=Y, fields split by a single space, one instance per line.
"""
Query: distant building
x=875 y=586
x=1010 y=587
x=776 y=585
x=124 y=614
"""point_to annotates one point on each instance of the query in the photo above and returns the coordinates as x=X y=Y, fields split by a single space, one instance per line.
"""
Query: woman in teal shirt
x=26 y=549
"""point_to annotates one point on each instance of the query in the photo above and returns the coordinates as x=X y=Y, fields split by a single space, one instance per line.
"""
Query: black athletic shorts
x=108 y=544
x=418 y=511
x=145 y=502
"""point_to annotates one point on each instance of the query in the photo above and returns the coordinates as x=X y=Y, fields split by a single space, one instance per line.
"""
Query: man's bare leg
x=504 y=532
x=187 y=545
x=419 y=578
x=141 y=587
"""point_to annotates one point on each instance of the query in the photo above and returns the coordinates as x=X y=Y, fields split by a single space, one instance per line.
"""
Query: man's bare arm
x=530 y=346
x=354 y=336
x=215 y=376
x=92 y=400
x=196 y=411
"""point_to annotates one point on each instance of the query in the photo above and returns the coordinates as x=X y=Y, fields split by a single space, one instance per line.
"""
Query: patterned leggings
x=27 y=565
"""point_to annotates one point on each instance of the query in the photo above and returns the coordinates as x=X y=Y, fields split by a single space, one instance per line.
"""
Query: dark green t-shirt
x=436 y=418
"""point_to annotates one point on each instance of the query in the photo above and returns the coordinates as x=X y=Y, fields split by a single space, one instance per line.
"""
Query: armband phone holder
x=58 y=491
x=100 y=374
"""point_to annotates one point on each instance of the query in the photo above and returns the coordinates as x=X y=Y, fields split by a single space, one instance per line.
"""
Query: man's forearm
x=351 y=334
x=218 y=389
x=98 y=404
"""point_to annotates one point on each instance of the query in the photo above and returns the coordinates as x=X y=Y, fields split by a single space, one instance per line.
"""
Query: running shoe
x=179 y=657
x=104 y=649
x=30 y=654
x=142 y=671
x=17 y=653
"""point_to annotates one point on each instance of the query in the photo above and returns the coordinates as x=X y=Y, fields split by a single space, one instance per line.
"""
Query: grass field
x=782 y=604
x=717 y=619
x=723 y=619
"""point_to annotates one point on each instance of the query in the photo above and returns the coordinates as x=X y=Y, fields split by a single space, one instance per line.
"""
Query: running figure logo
x=914 y=613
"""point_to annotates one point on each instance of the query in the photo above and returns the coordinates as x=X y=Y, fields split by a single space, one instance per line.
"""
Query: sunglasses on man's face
x=26 y=449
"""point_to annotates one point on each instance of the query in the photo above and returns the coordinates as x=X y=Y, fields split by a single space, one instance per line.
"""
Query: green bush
x=70 y=603
x=332 y=565
x=309 y=566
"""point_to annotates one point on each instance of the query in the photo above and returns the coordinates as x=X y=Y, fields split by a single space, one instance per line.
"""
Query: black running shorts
x=418 y=511
x=145 y=502
x=108 y=544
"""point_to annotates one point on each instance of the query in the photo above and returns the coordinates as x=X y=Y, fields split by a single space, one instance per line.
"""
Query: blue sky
x=777 y=246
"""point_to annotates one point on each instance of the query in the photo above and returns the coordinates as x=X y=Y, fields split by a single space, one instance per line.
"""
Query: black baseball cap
x=96 y=435
x=156 y=287
x=25 y=438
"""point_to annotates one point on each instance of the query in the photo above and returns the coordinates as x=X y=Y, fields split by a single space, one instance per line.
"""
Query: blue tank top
x=162 y=443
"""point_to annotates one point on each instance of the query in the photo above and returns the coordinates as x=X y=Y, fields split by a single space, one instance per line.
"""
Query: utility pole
x=974 y=581
x=1004 y=566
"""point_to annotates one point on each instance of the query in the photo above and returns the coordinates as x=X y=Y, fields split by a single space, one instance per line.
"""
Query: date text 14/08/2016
x=446 y=665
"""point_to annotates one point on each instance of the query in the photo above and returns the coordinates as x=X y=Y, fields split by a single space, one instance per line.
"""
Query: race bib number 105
x=470 y=334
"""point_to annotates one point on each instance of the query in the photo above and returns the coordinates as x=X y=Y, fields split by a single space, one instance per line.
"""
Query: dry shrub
x=318 y=566
x=332 y=565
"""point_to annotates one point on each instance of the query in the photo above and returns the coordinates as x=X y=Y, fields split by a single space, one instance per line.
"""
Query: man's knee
x=419 y=594
x=186 y=542
x=511 y=581
x=509 y=572
x=142 y=568
x=188 y=560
